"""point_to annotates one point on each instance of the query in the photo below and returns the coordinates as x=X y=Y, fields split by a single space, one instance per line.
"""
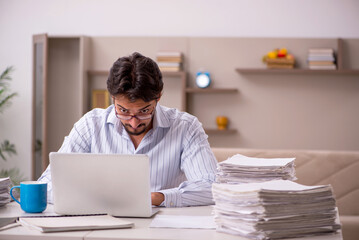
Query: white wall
x=20 y=19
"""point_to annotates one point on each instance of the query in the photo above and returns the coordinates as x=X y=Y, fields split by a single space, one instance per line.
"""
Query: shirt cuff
x=173 y=198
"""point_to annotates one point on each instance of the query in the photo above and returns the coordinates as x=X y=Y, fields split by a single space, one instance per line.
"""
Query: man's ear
x=159 y=97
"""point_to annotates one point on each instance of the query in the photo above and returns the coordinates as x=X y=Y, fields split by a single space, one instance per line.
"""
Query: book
x=169 y=64
x=321 y=58
x=170 y=69
x=321 y=51
x=74 y=223
x=326 y=67
x=321 y=63
x=169 y=59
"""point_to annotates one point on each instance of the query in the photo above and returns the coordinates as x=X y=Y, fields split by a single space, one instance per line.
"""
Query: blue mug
x=33 y=196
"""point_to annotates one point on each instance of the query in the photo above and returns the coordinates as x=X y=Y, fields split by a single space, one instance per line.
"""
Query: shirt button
x=171 y=204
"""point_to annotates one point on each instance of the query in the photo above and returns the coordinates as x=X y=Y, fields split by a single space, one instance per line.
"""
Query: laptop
x=114 y=184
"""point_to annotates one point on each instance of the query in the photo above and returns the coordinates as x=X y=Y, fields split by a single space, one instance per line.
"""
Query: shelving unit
x=58 y=97
x=70 y=67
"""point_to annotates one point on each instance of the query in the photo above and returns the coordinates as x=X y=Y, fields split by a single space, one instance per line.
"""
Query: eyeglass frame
x=130 y=116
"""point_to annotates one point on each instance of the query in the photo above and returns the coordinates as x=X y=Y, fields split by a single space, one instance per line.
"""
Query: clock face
x=203 y=80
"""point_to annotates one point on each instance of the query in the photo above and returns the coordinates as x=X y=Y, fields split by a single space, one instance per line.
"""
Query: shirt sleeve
x=199 y=165
x=75 y=142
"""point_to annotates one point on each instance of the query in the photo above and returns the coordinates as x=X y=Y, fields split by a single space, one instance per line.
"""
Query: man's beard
x=128 y=127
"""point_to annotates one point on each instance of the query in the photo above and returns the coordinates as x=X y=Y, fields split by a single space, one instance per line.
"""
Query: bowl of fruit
x=279 y=58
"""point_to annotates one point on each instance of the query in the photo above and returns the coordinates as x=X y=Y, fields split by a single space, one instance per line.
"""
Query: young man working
x=182 y=164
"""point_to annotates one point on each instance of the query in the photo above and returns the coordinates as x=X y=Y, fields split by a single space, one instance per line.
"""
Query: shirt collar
x=111 y=118
x=160 y=119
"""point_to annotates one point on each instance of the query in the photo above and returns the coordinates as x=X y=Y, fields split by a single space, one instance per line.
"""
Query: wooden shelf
x=296 y=71
x=211 y=90
x=217 y=131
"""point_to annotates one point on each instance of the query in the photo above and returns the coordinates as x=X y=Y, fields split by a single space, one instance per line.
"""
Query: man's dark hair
x=136 y=77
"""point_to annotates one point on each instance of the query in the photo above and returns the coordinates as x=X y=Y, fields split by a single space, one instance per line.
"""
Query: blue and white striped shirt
x=182 y=164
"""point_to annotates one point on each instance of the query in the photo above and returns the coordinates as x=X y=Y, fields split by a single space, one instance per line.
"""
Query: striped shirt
x=182 y=164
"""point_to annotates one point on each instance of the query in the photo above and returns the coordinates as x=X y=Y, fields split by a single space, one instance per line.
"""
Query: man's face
x=136 y=117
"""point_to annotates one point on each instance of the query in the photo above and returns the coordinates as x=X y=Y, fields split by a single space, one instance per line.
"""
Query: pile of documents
x=242 y=169
x=275 y=209
x=4 y=191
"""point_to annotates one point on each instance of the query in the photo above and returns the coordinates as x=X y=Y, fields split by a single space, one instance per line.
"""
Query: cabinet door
x=39 y=121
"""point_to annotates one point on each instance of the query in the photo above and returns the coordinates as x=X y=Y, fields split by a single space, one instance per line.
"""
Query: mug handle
x=12 y=195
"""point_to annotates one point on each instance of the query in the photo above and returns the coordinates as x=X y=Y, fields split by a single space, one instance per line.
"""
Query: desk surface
x=141 y=230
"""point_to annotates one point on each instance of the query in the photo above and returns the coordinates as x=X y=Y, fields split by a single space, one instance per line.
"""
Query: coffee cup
x=33 y=196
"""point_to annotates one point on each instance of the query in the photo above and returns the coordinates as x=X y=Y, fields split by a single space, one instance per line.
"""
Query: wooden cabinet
x=58 y=93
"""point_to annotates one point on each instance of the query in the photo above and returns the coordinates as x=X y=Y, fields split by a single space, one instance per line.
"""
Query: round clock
x=203 y=79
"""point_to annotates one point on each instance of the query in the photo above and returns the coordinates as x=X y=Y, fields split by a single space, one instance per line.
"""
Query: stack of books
x=321 y=58
x=5 y=184
x=275 y=209
x=242 y=169
x=170 y=61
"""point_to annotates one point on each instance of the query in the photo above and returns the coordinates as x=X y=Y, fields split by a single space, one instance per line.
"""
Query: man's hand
x=157 y=198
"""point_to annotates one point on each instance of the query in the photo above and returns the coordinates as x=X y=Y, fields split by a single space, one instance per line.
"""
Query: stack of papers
x=275 y=209
x=4 y=191
x=242 y=169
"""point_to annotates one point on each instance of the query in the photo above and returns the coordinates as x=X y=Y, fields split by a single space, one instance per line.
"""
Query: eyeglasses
x=139 y=116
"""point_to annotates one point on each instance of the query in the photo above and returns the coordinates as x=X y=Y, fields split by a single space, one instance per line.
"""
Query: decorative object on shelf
x=203 y=79
x=222 y=122
x=100 y=98
x=321 y=58
x=279 y=58
x=169 y=61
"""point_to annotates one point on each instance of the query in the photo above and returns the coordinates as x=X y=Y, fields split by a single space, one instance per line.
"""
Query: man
x=182 y=164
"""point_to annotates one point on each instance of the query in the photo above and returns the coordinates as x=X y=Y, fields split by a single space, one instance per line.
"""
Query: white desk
x=141 y=229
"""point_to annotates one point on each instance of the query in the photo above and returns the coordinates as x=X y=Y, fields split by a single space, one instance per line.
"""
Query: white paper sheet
x=275 y=185
x=242 y=160
x=176 y=221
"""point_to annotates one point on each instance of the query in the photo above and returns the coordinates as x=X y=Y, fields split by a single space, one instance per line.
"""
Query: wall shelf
x=295 y=71
x=211 y=90
x=339 y=71
x=217 y=131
